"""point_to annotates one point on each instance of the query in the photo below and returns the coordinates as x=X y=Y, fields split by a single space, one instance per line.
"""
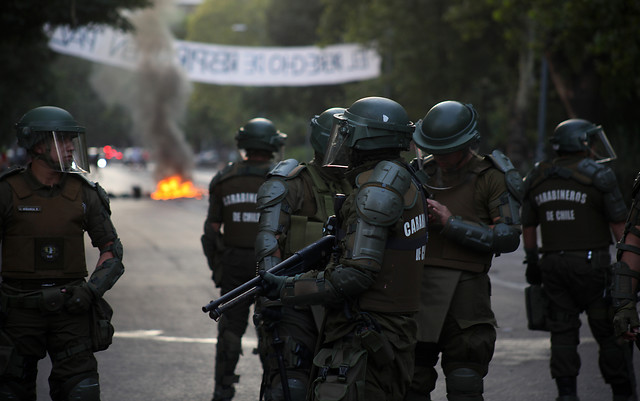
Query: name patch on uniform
x=240 y=197
x=245 y=217
x=561 y=195
x=23 y=208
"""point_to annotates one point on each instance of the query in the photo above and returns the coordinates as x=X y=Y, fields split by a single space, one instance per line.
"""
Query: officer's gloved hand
x=625 y=322
x=79 y=300
x=533 y=272
x=271 y=284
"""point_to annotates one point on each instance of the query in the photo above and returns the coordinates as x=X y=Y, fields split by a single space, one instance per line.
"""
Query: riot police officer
x=372 y=292
x=577 y=204
x=626 y=274
x=47 y=306
x=229 y=236
x=295 y=203
x=473 y=214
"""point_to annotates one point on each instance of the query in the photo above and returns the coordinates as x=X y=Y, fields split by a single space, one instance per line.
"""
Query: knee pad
x=82 y=388
x=464 y=384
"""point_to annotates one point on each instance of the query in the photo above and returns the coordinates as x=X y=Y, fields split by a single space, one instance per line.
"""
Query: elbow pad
x=502 y=238
x=622 y=285
x=106 y=275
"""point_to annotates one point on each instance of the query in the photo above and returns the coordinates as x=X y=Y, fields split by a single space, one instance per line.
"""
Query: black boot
x=567 y=388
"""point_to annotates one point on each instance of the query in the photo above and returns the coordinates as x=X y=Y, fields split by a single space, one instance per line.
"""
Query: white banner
x=230 y=65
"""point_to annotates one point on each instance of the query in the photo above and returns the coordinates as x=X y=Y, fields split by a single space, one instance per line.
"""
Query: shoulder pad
x=102 y=194
x=284 y=168
x=271 y=192
x=381 y=199
x=602 y=176
x=512 y=177
x=391 y=175
x=11 y=171
x=379 y=205
x=501 y=161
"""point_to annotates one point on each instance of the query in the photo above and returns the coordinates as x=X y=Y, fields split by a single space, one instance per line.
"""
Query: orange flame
x=173 y=187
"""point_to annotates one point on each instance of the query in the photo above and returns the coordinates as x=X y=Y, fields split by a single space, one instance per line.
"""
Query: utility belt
x=45 y=295
x=48 y=298
x=600 y=255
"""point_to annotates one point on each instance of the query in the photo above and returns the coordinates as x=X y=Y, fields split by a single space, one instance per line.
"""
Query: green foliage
x=216 y=111
x=28 y=71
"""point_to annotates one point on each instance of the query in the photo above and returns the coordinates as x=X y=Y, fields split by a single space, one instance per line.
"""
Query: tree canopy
x=491 y=53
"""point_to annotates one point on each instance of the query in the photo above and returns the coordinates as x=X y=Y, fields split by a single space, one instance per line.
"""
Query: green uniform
x=292 y=331
x=573 y=200
x=372 y=293
x=43 y=253
x=455 y=317
x=232 y=203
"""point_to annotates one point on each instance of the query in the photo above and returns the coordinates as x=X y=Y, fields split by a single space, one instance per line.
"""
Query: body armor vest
x=397 y=286
x=44 y=237
x=305 y=229
x=460 y=200
x=238 y=188
x=570 y=210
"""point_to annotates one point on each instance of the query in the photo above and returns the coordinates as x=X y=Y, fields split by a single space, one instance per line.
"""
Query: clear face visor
x=337 y=154
x=69 y=152
x=599 y=146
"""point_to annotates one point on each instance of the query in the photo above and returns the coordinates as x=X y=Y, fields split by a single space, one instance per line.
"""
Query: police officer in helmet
x=371 y=292
x=229 y=235
x=47 y=305
x=577 y=204
x=626 y=274
x=473 y=215
x=294 y=202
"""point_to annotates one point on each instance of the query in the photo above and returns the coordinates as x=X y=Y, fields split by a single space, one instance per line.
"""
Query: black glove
x=271 y=284
x=533 y=272
x=80 y=299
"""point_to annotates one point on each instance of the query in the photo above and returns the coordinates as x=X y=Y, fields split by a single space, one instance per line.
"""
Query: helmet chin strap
x=46 y=157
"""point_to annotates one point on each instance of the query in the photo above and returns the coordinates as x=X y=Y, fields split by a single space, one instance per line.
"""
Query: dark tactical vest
x=238 y=186
x=397 y=286
x=460 y=201
x=306 y=226
x=44 y=237
x=570 y=209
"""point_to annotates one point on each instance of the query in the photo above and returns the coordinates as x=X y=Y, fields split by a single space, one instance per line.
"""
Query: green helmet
x=38 y=123
x=572 y=135
x=371 y=123
x=260 y=134
x=448 y=126
x=321 y=128
x=65 y=148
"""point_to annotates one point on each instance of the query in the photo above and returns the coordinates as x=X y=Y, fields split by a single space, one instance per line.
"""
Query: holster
x=377 y=346
x=537 y=305
x=101 y=330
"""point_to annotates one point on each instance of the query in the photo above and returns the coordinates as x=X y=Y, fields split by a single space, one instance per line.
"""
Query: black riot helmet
x=260 y=134
x=578 y=135
x=369 y=124
x=61 y=134
x=447 y=127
